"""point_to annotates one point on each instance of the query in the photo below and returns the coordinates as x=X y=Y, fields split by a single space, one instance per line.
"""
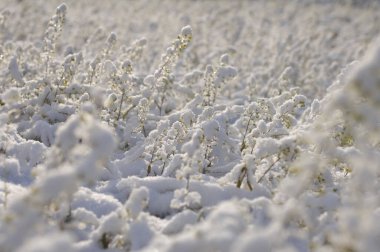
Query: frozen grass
x=189 y=126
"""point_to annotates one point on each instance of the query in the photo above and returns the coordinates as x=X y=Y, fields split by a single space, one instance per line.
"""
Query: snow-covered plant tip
x=178 y=126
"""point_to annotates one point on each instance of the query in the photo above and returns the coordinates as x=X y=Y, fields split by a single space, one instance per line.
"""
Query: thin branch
x=267 y=170
x=120 y=105
x=242 y=146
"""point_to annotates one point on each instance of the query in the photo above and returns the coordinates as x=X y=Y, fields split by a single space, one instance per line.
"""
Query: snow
x=52 y=242
x=140 y=235
x=15 y=72
x=180 y=221
x=11 y=95
x=137 y=201
x=42 y=131
x=186 y=31
x=85 y=216
x=28 y=154
x=98 y=203
x=57 y=181
x=189 y=126
x=61 y=9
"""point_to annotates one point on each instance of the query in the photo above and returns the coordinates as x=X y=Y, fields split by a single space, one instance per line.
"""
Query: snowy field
x=189 y=126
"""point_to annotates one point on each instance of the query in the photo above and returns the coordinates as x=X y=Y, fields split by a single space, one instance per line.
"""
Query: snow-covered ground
x=182 y=126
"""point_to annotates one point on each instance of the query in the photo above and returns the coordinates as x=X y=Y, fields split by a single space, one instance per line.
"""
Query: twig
x=242 y=146
x=267 y=170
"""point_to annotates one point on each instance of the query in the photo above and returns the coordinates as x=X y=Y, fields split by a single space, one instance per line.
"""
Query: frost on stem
x=163 y=80
x=142 y=112
x=69 y=66
x=121 y=81
x=199 y=150
x=158 y=149
x=135 y=51
x=15 y=71
x=209 y=91
x=166 y=153
x=254 y=120
x=97 y=65
x=183 y=199
x=110 y=43
x=245 y=172
x=291 y=109
x=249 y=117
x=52 y=34
x=214 y=79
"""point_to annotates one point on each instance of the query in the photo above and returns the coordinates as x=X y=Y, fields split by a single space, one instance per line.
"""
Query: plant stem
x=120 y=105
x=242 y=146
x=267 y=170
